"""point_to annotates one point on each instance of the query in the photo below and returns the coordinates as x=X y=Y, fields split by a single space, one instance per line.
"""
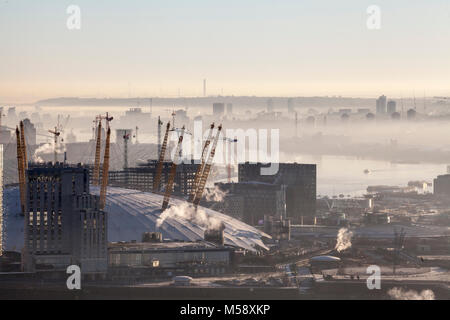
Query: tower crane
x=56 y=133
x=96 y=171
x=21 y=171
x=206 y=170
x=202 y=163
x=173 y=170
x=23 y=145
x=105 y=169
x=159 y=166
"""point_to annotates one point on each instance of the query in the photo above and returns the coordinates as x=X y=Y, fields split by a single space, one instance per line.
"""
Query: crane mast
x=56 y=134
x=173 y=170
x=21 y=171
x=202 y=164
x=206 y=170
x=105 y=171
x=23 y=145
x=159 y=167
x=96 y=172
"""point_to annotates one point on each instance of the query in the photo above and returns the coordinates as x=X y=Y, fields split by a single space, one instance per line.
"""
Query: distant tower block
x=391 y=107
x=270 y=105
x=204 y=87
x=229 y=109
x=290 y=105
x=381 y=105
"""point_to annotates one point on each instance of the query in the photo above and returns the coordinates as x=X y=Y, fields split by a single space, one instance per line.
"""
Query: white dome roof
x=131 y=213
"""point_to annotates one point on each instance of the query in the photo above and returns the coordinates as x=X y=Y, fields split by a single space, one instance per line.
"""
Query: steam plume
x=400 y=294
x=343 y=240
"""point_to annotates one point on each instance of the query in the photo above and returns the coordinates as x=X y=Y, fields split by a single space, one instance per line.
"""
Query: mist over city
x=245 y=151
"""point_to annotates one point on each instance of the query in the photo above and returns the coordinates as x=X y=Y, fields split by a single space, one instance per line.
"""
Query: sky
x=242 y=47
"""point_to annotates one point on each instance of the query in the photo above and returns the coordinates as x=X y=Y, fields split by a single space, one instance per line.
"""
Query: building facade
x=381 y=105
x=300 y=181
x=441 y=185
x=63 y=223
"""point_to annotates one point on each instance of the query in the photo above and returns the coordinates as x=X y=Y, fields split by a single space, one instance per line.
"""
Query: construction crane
x=159 y=134
x=96 y=171
x=105 y=170
x=202 y=163
x=23 y=145
x=173 y=170
x=20 y=171
x=159 y=166
x=229 y=141
x=126 y=137
x=56 y=133
x=206 y=170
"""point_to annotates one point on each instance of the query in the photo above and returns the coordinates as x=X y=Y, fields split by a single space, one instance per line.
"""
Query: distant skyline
x=243 y=48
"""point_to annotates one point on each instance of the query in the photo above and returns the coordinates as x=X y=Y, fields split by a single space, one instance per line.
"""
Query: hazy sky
x=259 y=47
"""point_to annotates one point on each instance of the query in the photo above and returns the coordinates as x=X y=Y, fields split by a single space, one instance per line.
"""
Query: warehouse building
x=168 y=258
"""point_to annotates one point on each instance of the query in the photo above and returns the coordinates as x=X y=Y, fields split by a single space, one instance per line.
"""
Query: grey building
x=218 y=109
x=381 y=105
x=63 y=222
x=30 y=132
x=441 y=185
x=391 y=107
x=159 y=259
x=258 y=199
x=300 y=180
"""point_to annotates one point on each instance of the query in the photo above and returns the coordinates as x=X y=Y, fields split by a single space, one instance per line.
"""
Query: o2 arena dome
x=132 y=212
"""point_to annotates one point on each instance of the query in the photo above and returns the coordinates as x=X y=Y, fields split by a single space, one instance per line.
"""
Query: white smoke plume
x=215 y=194
x=344 y=239
x=47 y=148
x=400 y=294
x=188 y=212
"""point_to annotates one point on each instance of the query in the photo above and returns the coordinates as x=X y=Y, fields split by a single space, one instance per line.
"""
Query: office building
x=229 y=109
x=441 y=185
x=391 y=107
x=300 y=180
x=270 y=105
x=218 y=109
x=381 y=105
x=30 y=132
x=258 y=200
x=63 y=223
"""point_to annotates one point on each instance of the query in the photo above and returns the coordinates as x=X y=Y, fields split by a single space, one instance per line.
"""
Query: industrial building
x=258 y=199
x=141 y=177
x=300 y=180
x=168 y=258
x=63 y=222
